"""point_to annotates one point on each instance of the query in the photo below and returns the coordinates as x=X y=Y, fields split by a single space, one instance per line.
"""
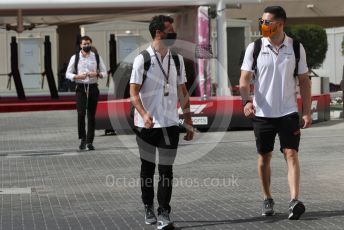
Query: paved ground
x=47 y=184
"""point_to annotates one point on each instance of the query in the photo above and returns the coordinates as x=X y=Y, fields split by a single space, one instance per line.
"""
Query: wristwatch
x=244 y=102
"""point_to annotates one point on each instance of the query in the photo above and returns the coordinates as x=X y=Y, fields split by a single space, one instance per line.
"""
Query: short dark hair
x=277 y=11
x=85 y=38
x=158 y=23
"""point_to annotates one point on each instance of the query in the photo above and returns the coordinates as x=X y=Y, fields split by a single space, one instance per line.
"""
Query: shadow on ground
x=278 y=217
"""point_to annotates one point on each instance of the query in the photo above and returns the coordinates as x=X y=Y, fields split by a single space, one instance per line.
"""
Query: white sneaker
x=164 y=221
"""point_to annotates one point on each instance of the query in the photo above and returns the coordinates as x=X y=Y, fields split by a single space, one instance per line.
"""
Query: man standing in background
x=85 y=68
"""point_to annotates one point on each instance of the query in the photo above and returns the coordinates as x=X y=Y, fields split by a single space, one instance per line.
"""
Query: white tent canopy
x=43 y=4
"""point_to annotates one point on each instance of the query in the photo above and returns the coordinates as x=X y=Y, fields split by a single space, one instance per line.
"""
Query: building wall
x=67 y=42
x=329 y=13
x=100 y=34
x=236 y=45
x=333 y=64
x=324 y=22
x=5 y=58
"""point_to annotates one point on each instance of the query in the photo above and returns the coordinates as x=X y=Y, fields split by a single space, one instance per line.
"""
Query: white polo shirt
x=275 y=84
x=162 y=108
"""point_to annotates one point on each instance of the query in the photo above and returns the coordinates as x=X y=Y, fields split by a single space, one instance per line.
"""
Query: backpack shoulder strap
x=256 y=51
x=97 y=60
x=176 y=61
x=146 y=64
x=296 y=47
x=76 y=62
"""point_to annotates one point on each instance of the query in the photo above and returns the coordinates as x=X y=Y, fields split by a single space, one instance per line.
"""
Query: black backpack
x=258 y=46
x=77 y=58
x=146 y=66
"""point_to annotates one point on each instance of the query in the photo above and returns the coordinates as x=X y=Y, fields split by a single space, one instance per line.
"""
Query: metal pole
x=342 y=87
x=222 y=89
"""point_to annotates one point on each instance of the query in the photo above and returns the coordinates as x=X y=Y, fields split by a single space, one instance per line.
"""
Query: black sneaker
x=296 y=209
x=268 y=207
x=90 y=147
x=150 y=217
x=82 y=145
x=164 y=221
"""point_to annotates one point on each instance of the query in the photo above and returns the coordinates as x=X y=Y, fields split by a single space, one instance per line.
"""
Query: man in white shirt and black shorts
x=274 y=107
x=156 y=119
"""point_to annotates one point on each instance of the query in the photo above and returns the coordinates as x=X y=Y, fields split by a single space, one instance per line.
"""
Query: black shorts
x=287 y=128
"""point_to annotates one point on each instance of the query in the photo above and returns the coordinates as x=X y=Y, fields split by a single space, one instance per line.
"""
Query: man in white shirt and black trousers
x=156 y=117
x=85 y=73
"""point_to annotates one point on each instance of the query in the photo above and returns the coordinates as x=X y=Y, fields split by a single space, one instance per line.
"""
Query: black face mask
x=170 y=39
x=87 y=49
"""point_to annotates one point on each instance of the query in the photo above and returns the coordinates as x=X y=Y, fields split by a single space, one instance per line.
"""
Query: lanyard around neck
x=162 y=69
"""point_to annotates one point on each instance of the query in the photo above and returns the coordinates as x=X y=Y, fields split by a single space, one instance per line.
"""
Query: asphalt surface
x=46 y=183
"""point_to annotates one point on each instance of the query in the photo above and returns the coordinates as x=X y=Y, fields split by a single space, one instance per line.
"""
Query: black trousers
x=166 y=141
x=89 y=106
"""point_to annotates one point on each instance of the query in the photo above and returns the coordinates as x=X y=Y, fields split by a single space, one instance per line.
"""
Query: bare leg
x=292 y=159
x=264 y=171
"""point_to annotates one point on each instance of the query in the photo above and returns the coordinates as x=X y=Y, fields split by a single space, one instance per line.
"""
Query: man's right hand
x=307 y=121
x=148 y=121
x=249 y=110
